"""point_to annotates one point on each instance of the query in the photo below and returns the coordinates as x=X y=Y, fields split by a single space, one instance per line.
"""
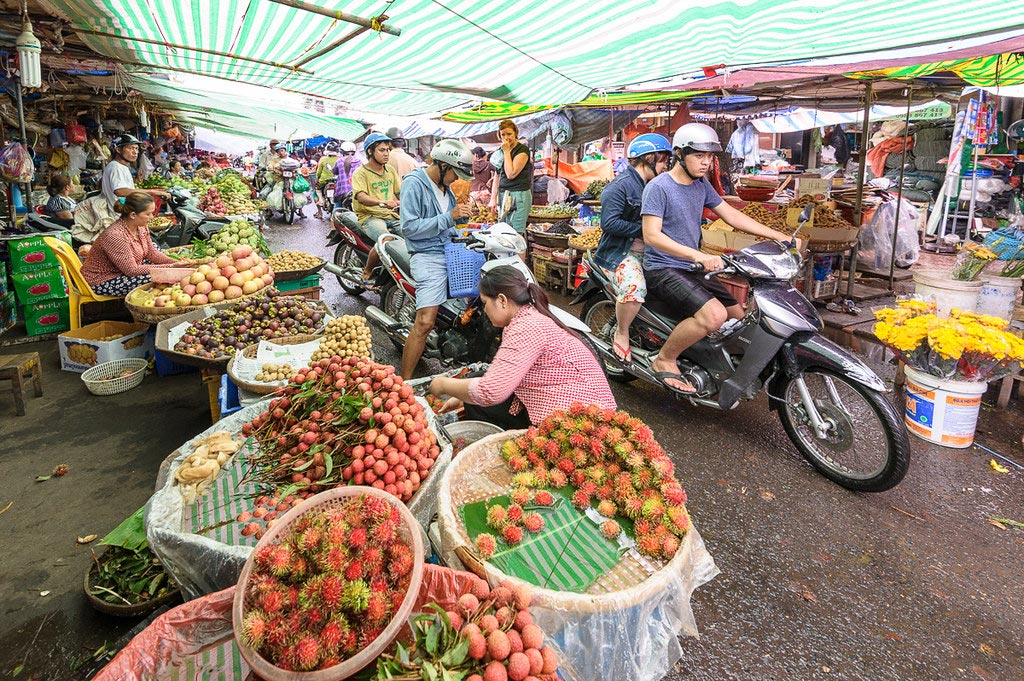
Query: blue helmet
x=647 y=144
x=372 y=139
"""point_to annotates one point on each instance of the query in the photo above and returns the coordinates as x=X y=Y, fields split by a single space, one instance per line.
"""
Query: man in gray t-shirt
x=672 y=207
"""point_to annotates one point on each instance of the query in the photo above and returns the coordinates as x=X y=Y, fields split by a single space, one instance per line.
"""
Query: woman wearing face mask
x=541 y=366
x=514 y=180
x=124 y=254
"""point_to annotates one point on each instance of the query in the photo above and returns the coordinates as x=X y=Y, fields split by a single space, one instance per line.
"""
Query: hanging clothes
x=838 y=141
x=743 y=144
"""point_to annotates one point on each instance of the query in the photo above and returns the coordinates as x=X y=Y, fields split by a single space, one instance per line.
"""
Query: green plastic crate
x=312 y=281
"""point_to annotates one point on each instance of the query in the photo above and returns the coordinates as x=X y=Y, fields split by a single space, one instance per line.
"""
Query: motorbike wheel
x=867 y=448
x=397 y=304
x=289 y=210
x=599 y=315
x=347 y=258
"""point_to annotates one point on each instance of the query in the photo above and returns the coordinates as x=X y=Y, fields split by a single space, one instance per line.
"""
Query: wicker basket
x=250 y=352
x=292 y=275
x=155 y=315
x=409 y=531
x=120 y=610
x=103 y=379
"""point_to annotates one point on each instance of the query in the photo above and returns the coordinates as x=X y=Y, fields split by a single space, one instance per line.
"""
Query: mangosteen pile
x=267 y=316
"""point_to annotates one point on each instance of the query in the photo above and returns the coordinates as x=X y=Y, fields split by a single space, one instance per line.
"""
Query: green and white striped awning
x=454 y=53
x=990 y=71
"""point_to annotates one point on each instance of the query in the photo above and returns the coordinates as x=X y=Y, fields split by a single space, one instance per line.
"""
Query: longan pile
x=346 y=336
x=271 y=373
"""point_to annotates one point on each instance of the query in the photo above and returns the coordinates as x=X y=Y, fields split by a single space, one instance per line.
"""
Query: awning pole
x=341 y=16
x=899 y=186
x=861 y=165
x=26 y=187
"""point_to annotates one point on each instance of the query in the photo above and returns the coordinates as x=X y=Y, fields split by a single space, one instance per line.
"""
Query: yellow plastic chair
x=79 y=291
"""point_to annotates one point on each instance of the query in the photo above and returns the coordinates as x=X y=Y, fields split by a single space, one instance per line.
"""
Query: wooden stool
x=1006 y=387
x=17 y=368
x=558 y=276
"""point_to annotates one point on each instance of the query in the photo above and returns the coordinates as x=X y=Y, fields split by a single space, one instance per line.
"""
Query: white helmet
x=456 y=154
x=696 y=137
x=348 y=147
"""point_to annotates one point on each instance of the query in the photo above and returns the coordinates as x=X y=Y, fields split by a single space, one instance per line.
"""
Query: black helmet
x=125 y=139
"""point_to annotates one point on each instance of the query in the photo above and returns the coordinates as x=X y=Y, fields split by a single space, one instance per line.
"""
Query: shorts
x=628 y=279
x=430 y=271
x=375 y=227
x=687 y=292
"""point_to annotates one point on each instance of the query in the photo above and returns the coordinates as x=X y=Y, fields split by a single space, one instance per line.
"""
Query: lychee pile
x=612 y=461
x=343 y=421
x=330 y=587
x=503 y=642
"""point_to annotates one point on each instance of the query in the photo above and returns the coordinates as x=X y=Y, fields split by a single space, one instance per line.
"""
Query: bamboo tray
x=258 y=387
x=292 y=275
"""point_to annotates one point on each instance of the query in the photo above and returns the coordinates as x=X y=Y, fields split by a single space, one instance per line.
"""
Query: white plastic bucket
x=942 y=411
x=998 y=296
x=946 y=292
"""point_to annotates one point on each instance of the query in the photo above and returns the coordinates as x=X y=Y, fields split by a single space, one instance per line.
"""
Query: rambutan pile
x=326 y=590
x=503 y=642
x=612 y=461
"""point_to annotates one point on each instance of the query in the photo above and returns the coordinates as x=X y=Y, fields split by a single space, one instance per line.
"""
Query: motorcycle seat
x=399 y=253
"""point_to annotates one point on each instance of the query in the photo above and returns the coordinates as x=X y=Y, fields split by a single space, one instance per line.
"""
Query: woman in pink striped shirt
x=123 y=255
x=540 y=367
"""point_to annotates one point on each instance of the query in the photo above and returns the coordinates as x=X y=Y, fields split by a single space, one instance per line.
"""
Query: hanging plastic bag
x=301 y=184
x=16 y=163
x=876 y=240
x=557 y=191
x=75 y=133
x=275 y=199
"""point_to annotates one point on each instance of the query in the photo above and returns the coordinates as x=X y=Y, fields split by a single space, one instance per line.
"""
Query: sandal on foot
x=664 y=376
x=623 y=353
x=369 y=285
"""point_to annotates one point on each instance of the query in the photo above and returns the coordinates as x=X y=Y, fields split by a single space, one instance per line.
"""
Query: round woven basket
x=122 y=610
x=479 y=472
x=292 y=275
x=409 y=531
x=155 y=315
x=103 y=379
x=250 y=352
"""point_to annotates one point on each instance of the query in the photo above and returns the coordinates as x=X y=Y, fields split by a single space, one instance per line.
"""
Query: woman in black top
x=514 y=180
x=60 y=204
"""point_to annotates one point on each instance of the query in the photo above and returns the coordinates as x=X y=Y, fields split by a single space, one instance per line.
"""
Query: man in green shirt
x=375 y=189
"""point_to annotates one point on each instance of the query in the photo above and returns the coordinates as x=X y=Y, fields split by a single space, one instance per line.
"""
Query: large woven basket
x=250 y=352
x=103 y=379
x=408 y=531
x=292 y=275
x=478 y=473
x=155 y=315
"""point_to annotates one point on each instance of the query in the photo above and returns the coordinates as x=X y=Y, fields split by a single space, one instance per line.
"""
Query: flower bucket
x=946 y=292
x=942 y=411
x=998 y=296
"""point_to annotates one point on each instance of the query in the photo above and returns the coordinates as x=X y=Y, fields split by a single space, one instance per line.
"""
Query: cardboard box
x=31 y=253
x=727 y=241
x=39 y=285
x=814 y=186
x=81 y=349
x=51 y=316
x=8 y=312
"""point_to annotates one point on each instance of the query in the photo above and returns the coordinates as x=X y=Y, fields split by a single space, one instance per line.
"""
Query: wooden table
x=18 y=368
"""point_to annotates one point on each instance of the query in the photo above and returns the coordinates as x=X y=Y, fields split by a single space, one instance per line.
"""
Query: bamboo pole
x=858 y=203
x=201 y=50
x=333 y=46
x=340 y=16
x=899 y=187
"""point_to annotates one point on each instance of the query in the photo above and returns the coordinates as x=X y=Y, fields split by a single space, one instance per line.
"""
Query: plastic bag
x=557 y=191
x=876 y=240
x=16 y=163
x=75 y=133
x=301 y=184
x=275 y=199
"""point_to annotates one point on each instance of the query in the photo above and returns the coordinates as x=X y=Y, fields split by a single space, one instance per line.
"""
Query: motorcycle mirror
x=807 y=212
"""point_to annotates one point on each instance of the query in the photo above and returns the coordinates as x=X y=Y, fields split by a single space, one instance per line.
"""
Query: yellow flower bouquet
x=964 y=347
x=971 y=260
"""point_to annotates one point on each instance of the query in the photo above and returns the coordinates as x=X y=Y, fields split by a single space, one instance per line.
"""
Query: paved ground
x=816 y=582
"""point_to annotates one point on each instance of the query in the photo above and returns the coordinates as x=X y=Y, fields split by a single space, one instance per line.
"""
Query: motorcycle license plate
x=287 y=174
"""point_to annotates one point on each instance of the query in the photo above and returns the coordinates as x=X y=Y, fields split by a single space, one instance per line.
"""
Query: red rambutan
x=306 y=654
x=557 y=478
x=580 y=499
x=357 y=537
x=377 y=608
x=254 y=628
x=544 y=498
x=512 y=534
x=533 y=522
x=566 y=465
x=678 y=520
x=497 y=516
x=607 y=509
x=514 y=513
x=648 y=545
x=610 y=529
x=669 y=546
x=673 y=493
x=354 y=570
x=518 y=463
x=521 y=496
x=332 y=588
x=485 y=545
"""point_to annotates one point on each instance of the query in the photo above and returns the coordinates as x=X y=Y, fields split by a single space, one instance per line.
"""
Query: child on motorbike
x=621 y=249
x=541 y=365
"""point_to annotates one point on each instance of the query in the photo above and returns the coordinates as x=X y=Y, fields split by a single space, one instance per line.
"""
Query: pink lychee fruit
x=495 y=671
x=536 y=660
x=518 y=666
x=498 y=645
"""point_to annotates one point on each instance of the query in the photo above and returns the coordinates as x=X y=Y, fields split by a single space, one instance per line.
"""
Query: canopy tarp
x=453 y=53
x=496 y=111
x=794 y=119
x=990 y=71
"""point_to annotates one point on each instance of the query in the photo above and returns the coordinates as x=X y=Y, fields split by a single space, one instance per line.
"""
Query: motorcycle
x=831 y=405
x=462 y=333
x=190 y=222
x=351 y=248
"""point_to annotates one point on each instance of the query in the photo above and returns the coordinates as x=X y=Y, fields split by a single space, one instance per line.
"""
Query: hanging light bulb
x=28 y=47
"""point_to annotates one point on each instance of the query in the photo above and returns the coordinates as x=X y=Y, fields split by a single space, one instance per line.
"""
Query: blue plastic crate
x=165 y=366
x=228 y=396
x=463 y=270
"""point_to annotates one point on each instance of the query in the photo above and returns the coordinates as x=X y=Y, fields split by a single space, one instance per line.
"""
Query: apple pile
x=232 y=275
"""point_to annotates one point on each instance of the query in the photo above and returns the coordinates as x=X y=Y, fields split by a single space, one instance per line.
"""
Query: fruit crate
x=307 y=286
x=227 y=395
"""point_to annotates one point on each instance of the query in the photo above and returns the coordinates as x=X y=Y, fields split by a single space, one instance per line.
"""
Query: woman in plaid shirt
x=540 y=367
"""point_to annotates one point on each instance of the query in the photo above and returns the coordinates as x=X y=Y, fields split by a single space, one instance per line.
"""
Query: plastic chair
x=79 y=291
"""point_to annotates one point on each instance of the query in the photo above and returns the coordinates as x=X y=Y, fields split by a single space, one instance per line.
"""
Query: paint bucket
x=947 y=293
x=942 y=411
x=998 y=296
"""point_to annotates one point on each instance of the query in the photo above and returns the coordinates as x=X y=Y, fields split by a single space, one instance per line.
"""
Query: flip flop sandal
x=369 y=285
x=623 y=353
x=662 y=376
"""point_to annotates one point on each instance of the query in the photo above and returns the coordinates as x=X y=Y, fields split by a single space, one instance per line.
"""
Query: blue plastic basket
x=1011 y=240
x=463 y=270
x=228 y=396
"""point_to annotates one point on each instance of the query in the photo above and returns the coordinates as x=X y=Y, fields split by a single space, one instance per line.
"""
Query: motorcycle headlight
x=784 y=265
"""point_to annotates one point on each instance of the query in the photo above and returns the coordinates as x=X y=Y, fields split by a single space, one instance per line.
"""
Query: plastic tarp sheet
x=196 y=640
x=581 y=174
x=201 y=564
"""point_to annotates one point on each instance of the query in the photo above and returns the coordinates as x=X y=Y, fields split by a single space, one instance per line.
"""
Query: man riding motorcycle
x=375 y=190
x=621 y=249
x=674 y=265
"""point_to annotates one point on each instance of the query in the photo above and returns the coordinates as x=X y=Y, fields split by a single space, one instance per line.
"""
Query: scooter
x=289 y=170
x=462 y=333
x=831 y=405
x=190 y=222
